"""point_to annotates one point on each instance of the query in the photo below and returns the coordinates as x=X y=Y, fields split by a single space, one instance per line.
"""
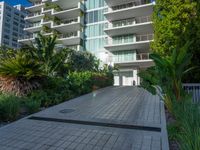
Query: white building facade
x=118 y=32
x=12 y=25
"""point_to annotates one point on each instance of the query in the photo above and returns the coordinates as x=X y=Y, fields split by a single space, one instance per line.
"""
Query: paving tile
x=122 y=105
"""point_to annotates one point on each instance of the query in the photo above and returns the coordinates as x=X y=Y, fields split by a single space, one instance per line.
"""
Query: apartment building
x=61 y=17
x=12 y=24
x=118 y=32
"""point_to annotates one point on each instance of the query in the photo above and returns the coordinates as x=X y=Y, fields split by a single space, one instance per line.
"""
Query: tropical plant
x=82 y=61
x=19 y=73
x=45 y=52
x=46 y=29
x=169 y=74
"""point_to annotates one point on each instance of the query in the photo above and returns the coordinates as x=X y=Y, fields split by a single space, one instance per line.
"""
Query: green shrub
x=173 y=131
x=80 y=82
x=9 y=107
x=32 y=105
x=84 y=82
x=188 y=118
x=55 y=84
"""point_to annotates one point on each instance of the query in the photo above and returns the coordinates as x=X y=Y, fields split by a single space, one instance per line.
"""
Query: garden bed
x=173 y=144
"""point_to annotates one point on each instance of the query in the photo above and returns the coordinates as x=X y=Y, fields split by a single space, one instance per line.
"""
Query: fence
x=194 y=89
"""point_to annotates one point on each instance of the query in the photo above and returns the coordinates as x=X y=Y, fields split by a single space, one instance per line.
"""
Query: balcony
x=66 y=26
x=33 y=1
x=116 y=2
x=127 y=10
x=34 y=17
x=68 y=13
x=33 y=27
x=142 y=60
x=47 y=22
x=138 y=25
x=72 y=38
x=37 y=6
x=139 y=43
x=66 y=5
x=28 y=39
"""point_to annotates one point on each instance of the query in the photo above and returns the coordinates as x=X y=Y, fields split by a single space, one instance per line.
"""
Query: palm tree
x=44 y=51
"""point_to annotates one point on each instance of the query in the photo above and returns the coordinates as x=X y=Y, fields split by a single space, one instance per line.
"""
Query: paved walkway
x=114 y=118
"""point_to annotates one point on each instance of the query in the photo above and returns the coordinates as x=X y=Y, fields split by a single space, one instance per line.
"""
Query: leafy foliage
x=45 y=52
x=32 y=105
x=175 y=23
x=19 y=64
x=171 y=18
x=187 y=115
x=42 y=75
x=18 y=72
x=82 y=61
x=9 y=107
x=168 y=74
x=85 y=82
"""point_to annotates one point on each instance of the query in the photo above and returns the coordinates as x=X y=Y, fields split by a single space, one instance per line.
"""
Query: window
x=5 y=42
x=8 y=8
x=95 y=44
x=95 y=16
x=124 y=56
x=92 y=4
x=15 y=23
x=6 y=37
x=95 y=30
x=124 y=39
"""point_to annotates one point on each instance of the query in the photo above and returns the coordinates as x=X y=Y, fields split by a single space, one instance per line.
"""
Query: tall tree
x=175 y=23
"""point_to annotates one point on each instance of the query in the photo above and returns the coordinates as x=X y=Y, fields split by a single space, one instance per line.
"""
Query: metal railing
x=194 y=89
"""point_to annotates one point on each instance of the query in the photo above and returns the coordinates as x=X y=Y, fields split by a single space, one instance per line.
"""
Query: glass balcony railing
x=26 y=37
x=142 y=56
x=127 y=5
x=37 y=3
x=34 y=14
x=69 y=35
x=147 y=37
x=33 y=25
x=130 y=58
x=130 y=5
x=129 y=39
x=128 y=22
x=65 y=22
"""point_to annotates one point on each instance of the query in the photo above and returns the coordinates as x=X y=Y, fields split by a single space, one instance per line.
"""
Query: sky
x=14 y=2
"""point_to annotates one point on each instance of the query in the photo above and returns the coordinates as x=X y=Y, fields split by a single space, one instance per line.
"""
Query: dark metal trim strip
x=123 y=126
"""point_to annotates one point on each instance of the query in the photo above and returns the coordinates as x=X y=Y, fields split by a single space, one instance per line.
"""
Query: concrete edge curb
x=164 y=133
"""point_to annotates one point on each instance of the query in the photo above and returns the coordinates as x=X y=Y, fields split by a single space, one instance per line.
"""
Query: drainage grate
x=65 y=111
x=124 y=126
